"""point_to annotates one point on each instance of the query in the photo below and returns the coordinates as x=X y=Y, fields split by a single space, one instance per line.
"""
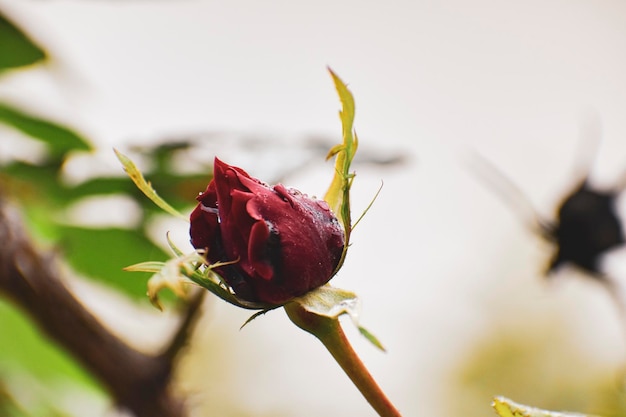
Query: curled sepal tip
x=172 y=274
x=184 y=269
x=507 y=408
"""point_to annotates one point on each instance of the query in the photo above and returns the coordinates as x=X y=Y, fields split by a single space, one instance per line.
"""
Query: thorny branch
x=138 y=382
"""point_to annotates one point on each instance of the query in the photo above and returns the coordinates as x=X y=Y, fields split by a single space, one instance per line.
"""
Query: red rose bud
x=284 y=242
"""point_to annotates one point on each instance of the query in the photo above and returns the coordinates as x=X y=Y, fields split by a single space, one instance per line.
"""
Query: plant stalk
x=328 y=330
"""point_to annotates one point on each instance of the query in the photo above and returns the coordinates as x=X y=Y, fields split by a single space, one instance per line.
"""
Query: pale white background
x=440 y=262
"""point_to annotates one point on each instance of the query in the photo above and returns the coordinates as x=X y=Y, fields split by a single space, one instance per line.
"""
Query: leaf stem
x=328 y=330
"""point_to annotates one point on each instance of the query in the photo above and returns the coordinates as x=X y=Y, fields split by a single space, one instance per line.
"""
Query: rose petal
x=286 y=243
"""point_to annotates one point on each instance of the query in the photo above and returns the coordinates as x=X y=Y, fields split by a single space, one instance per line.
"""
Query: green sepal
x=150 y=266
x=191 y=268
x=369 y=206
x=172 y=274
x=331 y=303
x=257 y=314
x=172 y=246
x=137 y=177
x=210 y=280
x=338 y=192
x=372 y=339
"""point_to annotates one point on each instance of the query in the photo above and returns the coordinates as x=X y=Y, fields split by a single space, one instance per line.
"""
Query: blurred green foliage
x=538 y=362
x=18 y=50
x=97 y=253
x=25 y=351
x=59 y=140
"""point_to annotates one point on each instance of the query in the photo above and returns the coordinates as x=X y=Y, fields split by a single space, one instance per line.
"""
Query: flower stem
x=328 y=330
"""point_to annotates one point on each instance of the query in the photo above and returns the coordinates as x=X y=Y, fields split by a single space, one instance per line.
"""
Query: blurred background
x=450 y=279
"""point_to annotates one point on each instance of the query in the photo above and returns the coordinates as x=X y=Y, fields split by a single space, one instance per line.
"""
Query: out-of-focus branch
x=138 y=382
x=183 y=333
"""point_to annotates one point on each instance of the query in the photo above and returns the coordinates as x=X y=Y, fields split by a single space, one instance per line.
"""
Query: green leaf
x=145 y=187
x=102 y=254
x=17 y=49
x=507 y=408
x=59 y=139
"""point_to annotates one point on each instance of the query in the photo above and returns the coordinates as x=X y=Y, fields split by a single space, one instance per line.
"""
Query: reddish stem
x=328 y=330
